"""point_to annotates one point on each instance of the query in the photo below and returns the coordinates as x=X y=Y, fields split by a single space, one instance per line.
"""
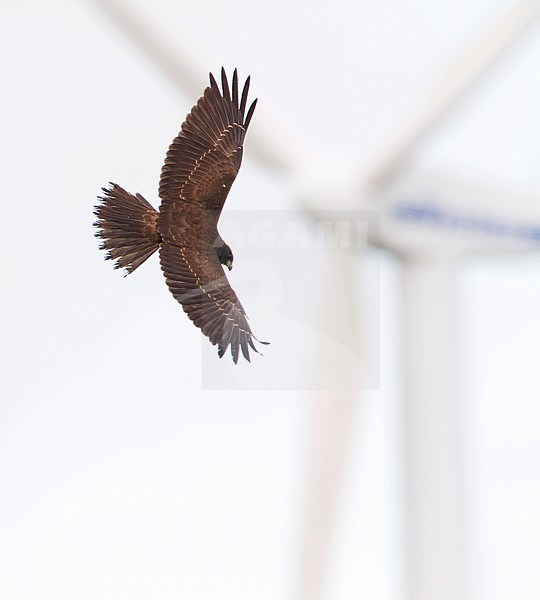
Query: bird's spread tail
x=127 y=225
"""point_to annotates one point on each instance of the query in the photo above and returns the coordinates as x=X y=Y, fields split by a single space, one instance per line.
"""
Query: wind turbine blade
x=451 y=85
x=185 y=65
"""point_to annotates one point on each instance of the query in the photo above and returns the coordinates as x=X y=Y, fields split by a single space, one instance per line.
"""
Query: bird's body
x=201 y=164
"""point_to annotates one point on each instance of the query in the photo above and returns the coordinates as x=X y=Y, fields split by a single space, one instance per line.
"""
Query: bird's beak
x=229 y=264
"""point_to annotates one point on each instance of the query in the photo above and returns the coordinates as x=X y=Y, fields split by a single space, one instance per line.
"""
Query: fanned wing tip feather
x=243 y=101
x=240 y=102
x=238 y=339
x=250 y=113
x=225 y=84
x=235 y=88
x=243 y=341
x=213 y=83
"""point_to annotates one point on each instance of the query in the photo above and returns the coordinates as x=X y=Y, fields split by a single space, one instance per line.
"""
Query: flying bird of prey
x=200 y=168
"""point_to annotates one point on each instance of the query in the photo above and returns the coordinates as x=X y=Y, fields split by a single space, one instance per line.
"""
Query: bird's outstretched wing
x=197 y=280
x=200 y=167
x=204 y=158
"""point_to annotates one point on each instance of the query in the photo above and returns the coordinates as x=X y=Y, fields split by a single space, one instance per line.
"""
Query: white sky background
x=120 y=477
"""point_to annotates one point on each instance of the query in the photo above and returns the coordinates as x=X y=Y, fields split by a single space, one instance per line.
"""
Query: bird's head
x=225 y=256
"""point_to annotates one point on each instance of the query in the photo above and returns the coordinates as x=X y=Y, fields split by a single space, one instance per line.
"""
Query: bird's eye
x=224 y=186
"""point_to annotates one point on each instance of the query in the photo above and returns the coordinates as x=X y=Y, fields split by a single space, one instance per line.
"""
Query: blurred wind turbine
x=436 y=547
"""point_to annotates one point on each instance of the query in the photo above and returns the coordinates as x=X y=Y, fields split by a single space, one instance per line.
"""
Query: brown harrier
x=200 y=167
